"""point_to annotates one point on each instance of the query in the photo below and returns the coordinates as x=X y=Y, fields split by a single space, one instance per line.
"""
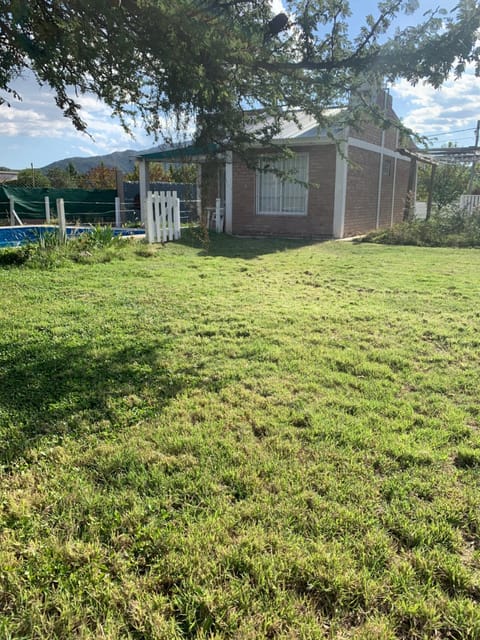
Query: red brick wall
x=370 y=132
x=362 y=189
x=362 y=192
x=319 y=219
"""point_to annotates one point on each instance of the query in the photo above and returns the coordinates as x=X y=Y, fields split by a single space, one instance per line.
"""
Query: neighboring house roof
x=8 y=175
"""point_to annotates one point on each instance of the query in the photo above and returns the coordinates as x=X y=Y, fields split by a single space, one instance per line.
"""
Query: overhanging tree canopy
x=207 y=62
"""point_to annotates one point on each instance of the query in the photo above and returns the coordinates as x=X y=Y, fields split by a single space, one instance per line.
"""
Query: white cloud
x=446 y=110
x=37 y=116
x=277 y=6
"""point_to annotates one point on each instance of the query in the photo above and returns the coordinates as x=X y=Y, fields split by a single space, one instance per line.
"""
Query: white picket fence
x=162 y=220
x=470 y=203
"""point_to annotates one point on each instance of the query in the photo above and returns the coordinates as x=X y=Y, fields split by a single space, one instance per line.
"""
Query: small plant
x=102 y=236
x=46 y=240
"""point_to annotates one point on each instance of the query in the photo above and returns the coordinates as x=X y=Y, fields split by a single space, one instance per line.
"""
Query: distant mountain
x=124 y=160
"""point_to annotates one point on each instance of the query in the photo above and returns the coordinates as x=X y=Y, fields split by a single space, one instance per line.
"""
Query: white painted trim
x=341 y=173
x=299 y=142
x=228 y=192
x=380 y=180
x=368 y=146
x=394 y=186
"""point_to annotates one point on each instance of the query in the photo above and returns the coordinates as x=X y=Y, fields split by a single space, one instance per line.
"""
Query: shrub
x=15 y=256
x=453 y=227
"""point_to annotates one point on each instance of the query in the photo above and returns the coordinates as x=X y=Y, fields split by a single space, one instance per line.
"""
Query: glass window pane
x=269 y=192
x=283 y=196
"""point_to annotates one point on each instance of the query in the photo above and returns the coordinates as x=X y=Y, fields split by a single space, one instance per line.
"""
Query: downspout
x=341 y=173
x=394 y=185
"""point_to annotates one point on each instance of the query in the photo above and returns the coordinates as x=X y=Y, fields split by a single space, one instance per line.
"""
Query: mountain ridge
x=124 y=160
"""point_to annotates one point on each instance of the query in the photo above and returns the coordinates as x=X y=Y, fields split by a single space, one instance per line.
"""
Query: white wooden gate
x=162 y=221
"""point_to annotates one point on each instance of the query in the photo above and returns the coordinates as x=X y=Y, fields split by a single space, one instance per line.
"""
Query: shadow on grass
x=226 y=246
x=52 y=391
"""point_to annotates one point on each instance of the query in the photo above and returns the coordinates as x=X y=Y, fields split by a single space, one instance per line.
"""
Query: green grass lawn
x=274 y=440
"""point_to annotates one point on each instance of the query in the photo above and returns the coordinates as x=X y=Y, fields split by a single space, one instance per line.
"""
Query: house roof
x=304 y=125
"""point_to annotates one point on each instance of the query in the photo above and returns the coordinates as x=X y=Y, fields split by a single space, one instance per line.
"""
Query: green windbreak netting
x=87 y=206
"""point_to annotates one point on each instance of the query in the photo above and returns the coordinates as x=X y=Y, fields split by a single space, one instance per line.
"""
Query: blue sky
x=34 y=130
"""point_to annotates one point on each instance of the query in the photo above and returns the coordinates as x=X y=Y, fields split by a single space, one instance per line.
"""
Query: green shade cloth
x=79 y=203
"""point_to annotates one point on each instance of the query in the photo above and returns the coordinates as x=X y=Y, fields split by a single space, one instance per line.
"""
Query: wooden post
x=171 y=198
x=156 y=209
x=118 y=219
x=430 y=191
x=176 y=220
x=144 y=185
x=120 y=196
x=410 y=199
x=148 y=221
x=163 y=216
x=62 y=225
x=218 y=223
x=47 y=209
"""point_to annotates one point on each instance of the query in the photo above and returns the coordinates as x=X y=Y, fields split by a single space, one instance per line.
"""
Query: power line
x=462 y=138
x=447 y=133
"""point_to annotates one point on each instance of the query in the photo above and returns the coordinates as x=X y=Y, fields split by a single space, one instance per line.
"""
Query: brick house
x=361 y=188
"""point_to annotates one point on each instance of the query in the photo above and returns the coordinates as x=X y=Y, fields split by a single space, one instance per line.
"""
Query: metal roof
x=304 y=125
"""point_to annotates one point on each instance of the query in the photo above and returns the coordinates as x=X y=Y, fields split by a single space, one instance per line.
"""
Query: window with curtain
x=276 y=196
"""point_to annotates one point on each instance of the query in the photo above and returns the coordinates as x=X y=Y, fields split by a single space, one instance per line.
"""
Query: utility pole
x=474 y=161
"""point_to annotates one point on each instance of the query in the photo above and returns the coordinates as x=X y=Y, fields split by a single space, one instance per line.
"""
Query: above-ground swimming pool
x=16 y=236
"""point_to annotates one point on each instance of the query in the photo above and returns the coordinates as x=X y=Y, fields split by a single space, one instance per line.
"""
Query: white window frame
x=280 y=164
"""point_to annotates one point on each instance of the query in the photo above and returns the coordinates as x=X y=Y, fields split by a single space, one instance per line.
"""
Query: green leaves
x=205 y=62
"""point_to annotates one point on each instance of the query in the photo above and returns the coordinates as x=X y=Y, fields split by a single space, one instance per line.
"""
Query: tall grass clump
x=450 y=227
x=48 y=250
